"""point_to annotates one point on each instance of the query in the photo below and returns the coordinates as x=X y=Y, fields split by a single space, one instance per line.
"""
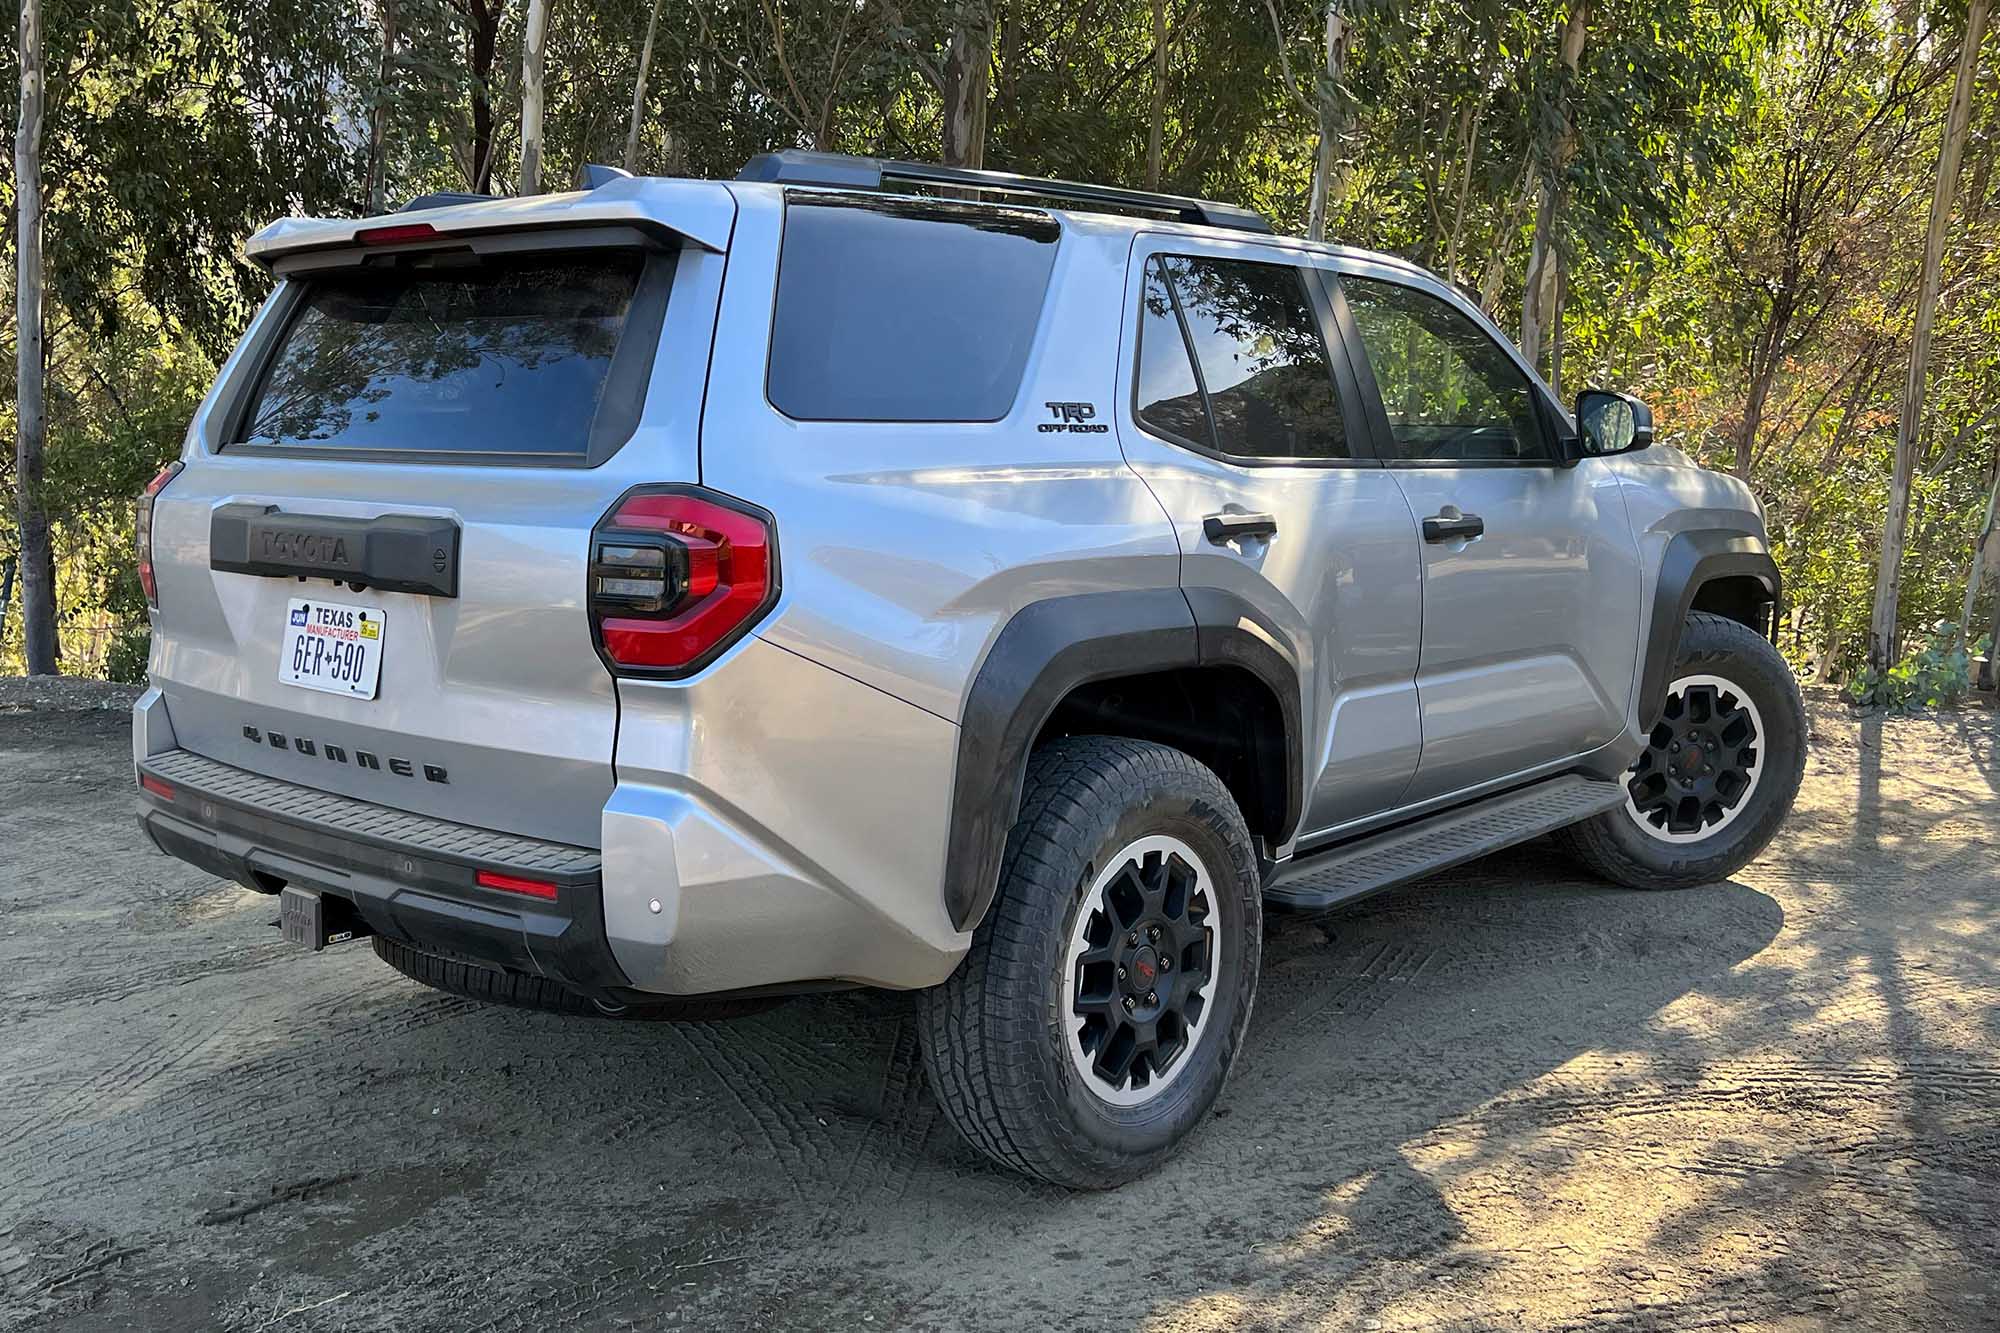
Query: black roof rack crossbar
x=796 y=166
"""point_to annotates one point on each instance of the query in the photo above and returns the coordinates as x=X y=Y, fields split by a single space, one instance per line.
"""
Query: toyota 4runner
x=654 y=599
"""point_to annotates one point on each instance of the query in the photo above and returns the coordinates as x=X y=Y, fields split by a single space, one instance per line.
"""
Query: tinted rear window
x=510 y=357
x=906 y=311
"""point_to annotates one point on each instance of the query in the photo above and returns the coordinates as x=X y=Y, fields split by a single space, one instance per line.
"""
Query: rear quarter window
x=906 y=310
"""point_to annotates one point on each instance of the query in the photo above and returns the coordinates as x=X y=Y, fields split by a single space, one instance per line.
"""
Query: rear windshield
x=906 y=310
x=509 y=357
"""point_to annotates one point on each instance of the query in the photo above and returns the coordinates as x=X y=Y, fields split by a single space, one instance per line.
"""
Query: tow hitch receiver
x=316 y=920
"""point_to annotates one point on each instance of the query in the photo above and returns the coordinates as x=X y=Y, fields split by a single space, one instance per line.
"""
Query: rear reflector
x=534 y=888
x=396 y=235
x=155 y=786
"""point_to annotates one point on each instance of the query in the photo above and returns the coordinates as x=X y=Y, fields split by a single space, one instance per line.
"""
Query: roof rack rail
x=796 y=166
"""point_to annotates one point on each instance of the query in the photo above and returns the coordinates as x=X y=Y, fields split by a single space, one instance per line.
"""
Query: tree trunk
x=1493 y=278
x=639 y=91
x=378 y=115
x=1538 y=289
x=1979 y=549
x=968 y=70
x=1556 y=328
x=1156 y=130
x=1325 y=162
x=534 y=51
x=482 y=38
x=1888 y=573
x=1538 y=293
x=1761 y=375
x=38 y=565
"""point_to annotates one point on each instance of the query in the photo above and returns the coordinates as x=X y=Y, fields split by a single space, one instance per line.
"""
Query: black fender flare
x=1691 y=559
x=1049 y=648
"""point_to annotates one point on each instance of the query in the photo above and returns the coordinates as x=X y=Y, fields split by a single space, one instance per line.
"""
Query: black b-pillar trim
x=1690 y=560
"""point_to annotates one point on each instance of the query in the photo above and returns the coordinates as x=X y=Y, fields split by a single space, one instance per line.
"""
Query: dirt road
x=1509 y=1097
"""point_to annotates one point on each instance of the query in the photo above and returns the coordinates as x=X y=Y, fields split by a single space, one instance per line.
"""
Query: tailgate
x=424 y=445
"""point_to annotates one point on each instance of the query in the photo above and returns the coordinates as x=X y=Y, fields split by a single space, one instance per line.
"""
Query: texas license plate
x=332 y=646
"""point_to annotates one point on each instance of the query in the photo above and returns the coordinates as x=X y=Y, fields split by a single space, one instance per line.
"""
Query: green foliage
x=1936 y=675
x=1743 y=192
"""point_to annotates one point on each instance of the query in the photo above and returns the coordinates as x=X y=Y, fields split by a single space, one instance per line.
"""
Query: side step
x=1379 y=861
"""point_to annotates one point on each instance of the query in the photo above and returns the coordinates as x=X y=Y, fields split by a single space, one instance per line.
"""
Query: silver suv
x=657 y=599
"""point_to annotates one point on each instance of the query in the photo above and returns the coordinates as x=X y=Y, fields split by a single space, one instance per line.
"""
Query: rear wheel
x=1719 y=771
x=492 y=985
x=1093 y=1021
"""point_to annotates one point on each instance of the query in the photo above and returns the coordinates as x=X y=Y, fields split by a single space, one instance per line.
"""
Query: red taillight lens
x=677 y=575
x=396 y=234
x=142 y=530
x=534 y=888
x=157 y=787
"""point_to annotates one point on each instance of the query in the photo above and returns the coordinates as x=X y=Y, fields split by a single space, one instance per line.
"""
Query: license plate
x=332 y=646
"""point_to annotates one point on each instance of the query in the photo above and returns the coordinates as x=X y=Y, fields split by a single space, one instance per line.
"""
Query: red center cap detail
x=1144 y=968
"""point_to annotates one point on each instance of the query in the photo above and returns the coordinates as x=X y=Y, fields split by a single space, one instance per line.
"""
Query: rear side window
x=1263 y=382
x=906 y=311
x=506 y=357
x=1170 y=400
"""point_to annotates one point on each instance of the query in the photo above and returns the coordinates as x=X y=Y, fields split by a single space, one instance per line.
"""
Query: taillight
x=142 y=530
x=677 y=574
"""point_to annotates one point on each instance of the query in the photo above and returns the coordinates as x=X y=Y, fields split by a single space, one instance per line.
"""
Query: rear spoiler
x=701 y=212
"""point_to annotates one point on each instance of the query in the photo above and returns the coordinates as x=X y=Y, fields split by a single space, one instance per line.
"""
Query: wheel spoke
x=1116 y=1052
x=1125 y=897
x=1095 y=1006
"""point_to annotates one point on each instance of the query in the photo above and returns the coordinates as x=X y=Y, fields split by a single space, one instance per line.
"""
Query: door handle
x=1225 y=528
x=1452 y=526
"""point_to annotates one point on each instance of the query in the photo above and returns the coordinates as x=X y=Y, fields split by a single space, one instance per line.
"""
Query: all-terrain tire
x=1615 y=846
x=995 y=1044
x=492 y=985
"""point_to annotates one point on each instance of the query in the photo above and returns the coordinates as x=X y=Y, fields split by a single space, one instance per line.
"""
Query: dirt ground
x=1506 y=1097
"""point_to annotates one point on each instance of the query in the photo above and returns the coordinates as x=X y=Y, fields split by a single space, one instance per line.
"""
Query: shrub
x=1936 y=675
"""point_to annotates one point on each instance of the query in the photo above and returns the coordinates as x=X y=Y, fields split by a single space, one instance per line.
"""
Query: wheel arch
x=1729 y=573
x=1150 y=665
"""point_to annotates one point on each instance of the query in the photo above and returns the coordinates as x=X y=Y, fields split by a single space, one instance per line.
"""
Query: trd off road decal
x=1076 y=418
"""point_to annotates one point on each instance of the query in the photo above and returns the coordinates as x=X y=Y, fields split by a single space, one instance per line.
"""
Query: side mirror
x=1612 y=423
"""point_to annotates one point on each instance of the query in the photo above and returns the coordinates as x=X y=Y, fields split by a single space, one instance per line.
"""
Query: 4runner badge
x=1074 y=418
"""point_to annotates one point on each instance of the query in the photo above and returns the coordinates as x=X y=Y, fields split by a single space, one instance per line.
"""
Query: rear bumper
x=410 y=877
x=692 y=892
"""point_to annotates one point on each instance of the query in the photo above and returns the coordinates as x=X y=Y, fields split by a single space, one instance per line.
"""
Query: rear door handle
x=1453 y=526
x=1225 y=528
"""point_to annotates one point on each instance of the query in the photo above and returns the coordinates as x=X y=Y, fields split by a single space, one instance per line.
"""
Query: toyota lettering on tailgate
x=292 y=547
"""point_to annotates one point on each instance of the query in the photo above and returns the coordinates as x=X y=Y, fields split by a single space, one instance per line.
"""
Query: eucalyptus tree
x=1882 y=623
x=36 y=558
x=534 y=55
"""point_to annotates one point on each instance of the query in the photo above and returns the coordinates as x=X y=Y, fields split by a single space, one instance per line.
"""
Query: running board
x=1409 y=851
